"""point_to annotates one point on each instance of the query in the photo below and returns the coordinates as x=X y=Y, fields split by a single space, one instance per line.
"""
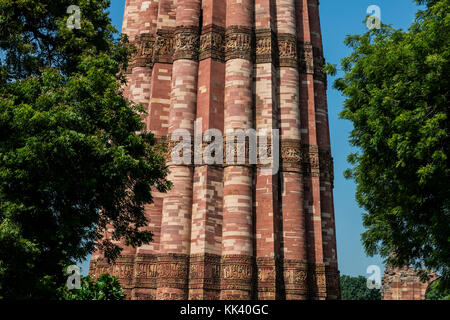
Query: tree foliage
x=106 y=287
x=436 y=292
x=74 y=155
x=397 y=89
x=355 y=288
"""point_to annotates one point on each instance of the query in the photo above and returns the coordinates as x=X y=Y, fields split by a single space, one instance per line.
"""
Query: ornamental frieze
x=291 y=155
x=146 y=270
x=204 y=271
x=267 y=275
x=317 y=279
x=144 y=296
x=306 y=57
x=319 y=63
x=212 y=43
x=238 y=43
x=143 y=56
x=164 y=46
x=173 y=271
x=326 y=166
x=235 y=42
x=332 y=276
x=295 y=277
x=236 y=272
x=265 y=46
x=295 y=274
x=287 y=50
x=311 y=164
x=186 y=43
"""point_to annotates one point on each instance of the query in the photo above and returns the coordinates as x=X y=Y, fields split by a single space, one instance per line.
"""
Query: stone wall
x=404 y=284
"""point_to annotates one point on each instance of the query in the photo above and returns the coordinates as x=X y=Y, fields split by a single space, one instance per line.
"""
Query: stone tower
x=232 y=231
x=405 y=283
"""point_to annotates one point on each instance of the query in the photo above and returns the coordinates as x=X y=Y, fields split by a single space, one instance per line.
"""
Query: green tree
x=106 y=287
x=355 y=288
x=72 y=162
x=436 y=292
x=396 y=85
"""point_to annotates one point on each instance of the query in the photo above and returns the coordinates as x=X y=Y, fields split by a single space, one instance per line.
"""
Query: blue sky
x=338 y=19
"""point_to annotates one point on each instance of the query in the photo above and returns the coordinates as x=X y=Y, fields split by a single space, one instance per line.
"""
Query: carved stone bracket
x=186 y=43
x=238 y=43
x=212 y=43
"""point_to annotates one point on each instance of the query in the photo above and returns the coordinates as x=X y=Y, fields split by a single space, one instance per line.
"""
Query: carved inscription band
x=294 y=156
x=235 y=42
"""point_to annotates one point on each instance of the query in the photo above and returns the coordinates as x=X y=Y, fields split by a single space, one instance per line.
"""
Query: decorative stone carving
x=333 y=282
x=238 y=43
x=306 y=57
x=287 y=49
x=319 y=63
x=204 y=272
x=164 y=46
x=143 y=56
x=405 y=283
x=173 y=271
x=236 y=272
x=326 y=166
x=311 y=164
x=212 y=43
x=267 y=277
x=145 y=271
x=265 y=46
x=295 y=278
x=186 y=43
x=317 y=282
x=291 y=156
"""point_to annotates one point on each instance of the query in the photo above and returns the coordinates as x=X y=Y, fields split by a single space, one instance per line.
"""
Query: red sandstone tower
x=229 y=231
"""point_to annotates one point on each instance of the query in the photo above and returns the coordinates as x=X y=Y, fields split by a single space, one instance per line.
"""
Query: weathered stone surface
x=405 y=284
x=232 y=231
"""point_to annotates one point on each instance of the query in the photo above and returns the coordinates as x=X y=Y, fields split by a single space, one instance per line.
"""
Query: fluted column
x=237 y=232
x=173 y=261
x=206 y=234
x=137 y=24
x=325 y=159
x=293 y=214
x=310 y=154
x=266 y=181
